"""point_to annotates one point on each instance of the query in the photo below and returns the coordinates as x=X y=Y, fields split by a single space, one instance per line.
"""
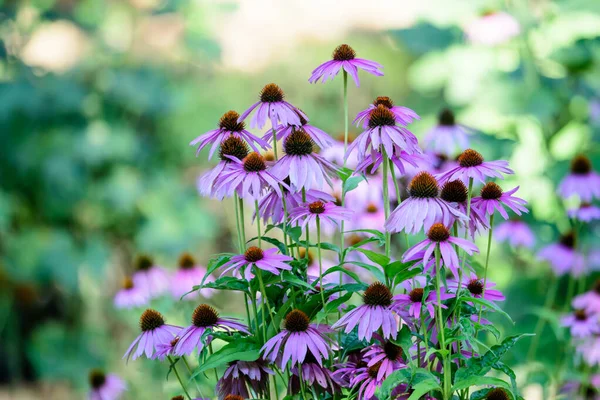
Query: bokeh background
x=99 y=100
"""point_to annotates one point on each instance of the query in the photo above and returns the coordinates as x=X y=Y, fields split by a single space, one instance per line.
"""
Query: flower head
x=590 y=300
x=403 y=115
x=154 y=331
x=494 y=199
x=367 y=382
x=477 y=288
x=390 y=356
x=497 y=394
x=447 y=136
x=242 y=374
x=313 y=375
x=131 y=296
x=105 y=386
x=150 y=277
x=273 y=107
x=586 y=212
x=328 y=213
x=563 y=257
x=344 y=57
x=417 y=298
x=231 y=148
x=492 y=29
x=472 y=165
x=266 y=260
x=188 y=274
x=582 y=324
x=318 y=136
x=582 y=181
x=516 y=232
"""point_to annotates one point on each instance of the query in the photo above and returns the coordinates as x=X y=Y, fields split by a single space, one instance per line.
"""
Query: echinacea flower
x=447 y=137
x=297 y=338
x=131 y=296
x=273 y=107
x=400 y=158
x=455 y=193
x=328 y=213
x=589 y=349
x=154 y=332
x=586 y=212
x=375 y=313
x=494 y=199
x=189 y=274
x=403 y=115
x=345 y=372
x=164 y=350
x=271 y=204
x=415 y=300
x=105 y=386
x=304 y=168
x=438 y=235
x=582 y=181
x=563 y=257
x=390 y=356
x=367 y=382
x=240 y=375
x=344 y=57
x=320 y=137
x=266 y=260
x=516 y=232
x=472 y=165
x=497 y=393
x=248 y=178
x=423 y=208
x=582 y=324
x=492 y=28
x=204 y=318
x=589 y=301
x=314 y=376
x=228 y=127
x=476 y=288
x=150 y=277
x=578 y=390
x=231 y=148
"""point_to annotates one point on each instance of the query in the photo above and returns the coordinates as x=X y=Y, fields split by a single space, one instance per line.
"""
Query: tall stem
x=386 y=203
x=179 y=378
x=257 y=223
x=464 y=254
x=441 y=327
x=541 y=322
x=306 y=229
x=242 y=225
x=274 y=143
x=345 y=74
x=320 y=264
x=487 y=261
x=191 y=373
x=210 y=350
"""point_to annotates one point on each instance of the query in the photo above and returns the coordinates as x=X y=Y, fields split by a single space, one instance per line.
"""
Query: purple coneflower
x=586 y=212
x=345 y=372
x=388 y=354
x=563 y=257
x=297 y=338
x=273 y=107
x=164 y=350
x=583 y=181
x=313 y=374
x=438 y=235
x=154 y=331
x=371 y=217
x=344 y=57
x=403 y=115
x=589 y=301
x=318 y=136
x=234 y=147
x=582 y=324
x=188 y=274
x=375 y=313
x=204 y=318
x=266 y=260
x=516 y=232
x=228 y=127
x=589 y=349
x=328 y=213
x=472 y=165
x=455 y=193
x=304 y=168
x=150 y=277
x=415 y=300
x=493 y=198
x=105 y=386
x=131 y=296
x=248 y=178
x=475 y=286
x=240 y=375
x=447 y=137
x=423 y=208
x=271 y=205
x=401 y=160
x=367 y=382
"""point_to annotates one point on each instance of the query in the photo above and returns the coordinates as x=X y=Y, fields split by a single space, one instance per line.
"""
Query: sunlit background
x=100 y=99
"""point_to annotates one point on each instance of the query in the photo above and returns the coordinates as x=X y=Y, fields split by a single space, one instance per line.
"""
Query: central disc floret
x=186 y=261
x=470 y=158
x=384 y=101
x=381 y=116
x=178 y=397
x=143 y=263
x=233 y=146
x=316 y=207
x=454 y=192
x=298 y=143
x=392 y=351
x=446 y=118
x=423 y=185
x=254 y=162
x=204 y=315
x=416 y=295
x=581 y=315
x=374 y=370
x=581 y=165
x=343 y=53
x=377 y=294
x=475 y=286
x=491 y=191
x=296 y=321
x=254 y=254
x=568 y=240
x=229 y=122
x=97 y=378
x=372 y=208
x=151 y=319
x=233 y=397
x=128 y=283
x=438 y=233
x=497 y=394
x=271 y=93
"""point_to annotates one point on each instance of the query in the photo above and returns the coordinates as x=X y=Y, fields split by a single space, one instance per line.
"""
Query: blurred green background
x=99 y=100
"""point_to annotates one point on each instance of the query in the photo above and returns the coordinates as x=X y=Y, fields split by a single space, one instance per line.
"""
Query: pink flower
x=344 y=57
x=472 y=165
x=273 y=107
x=328 y=213
x=131 y=296
x=583 y=181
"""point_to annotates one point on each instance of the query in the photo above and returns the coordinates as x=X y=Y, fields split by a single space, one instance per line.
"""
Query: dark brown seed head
x=372 y=208
x=580 y=315
x=491 y=191
x=254 y=254
x=568 y=240
x=381 y=116
x=454 y=192
x=497 y=394
x=127 y=283
x=271 y=93
x=179 y=397
x=233 y=397
x=298 y=143
x=416 y=295
x=296 y=321
x=233 y=146
x=470 y=158
x=143 y=263
x=597 y=286
x=475 y=286
x=392 y=351
x=446 y=118
x=343 y=53
x=151 y=319
x=97 y=379
x=229 y=122
x=377 y=294
x=254 y=162
x=581 y=165
x=186 y=261
x=384 y=101
x=317 y=207
x=204 y=315
x=423 y=185
x=438 y=233
x=374 y=370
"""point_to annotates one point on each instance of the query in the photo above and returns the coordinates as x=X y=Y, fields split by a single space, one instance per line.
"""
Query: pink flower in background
x=582 y=324
x=336 y=154
x=273 y=107
x=415 y=301
x=150 y=277
x=493 y=29
x=321 y=138
x=563 y=257
x=105 y=386
x=154 y=332
x=475 y=287
x=328 y=214
x=403 y=115
x=589 y=301
x=402 y=160
x=367 y=382
x=582 y=181
x=266 y=260
x=271 y=205
x=586 y=212
x=472 y=165
x=447 y=137
x=344 y=57
x=131 y=296
x=455 y=193
x=516 y=232
x=188 y=275
x=494 y=199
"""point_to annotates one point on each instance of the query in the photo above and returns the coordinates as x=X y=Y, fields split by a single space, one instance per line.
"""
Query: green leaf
x=343 y=270
x=392 y=381
x=351 y=183
x=295 y=233
x=376 y=271
x=344 y=173
x=500 y=366
x=423 y=387
x=276 y=242
x=294 y=280
x=226 y=283
x=217 y=261
x=243 y=349
x=377 y=258
x=489 y=304
x=480 y=381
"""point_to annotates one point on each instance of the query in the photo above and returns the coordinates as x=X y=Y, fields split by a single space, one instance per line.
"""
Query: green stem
x=570 y=292
x=179 y=378
x=275 y=143
x=210 y=350
x=242 y=225
x=487 y=262
x=257 y=223
x=441 y=327
x=302 y=389
x=345 y=74
x=541 y=322
x=398 y=194
x=191 y=374
x=264 y=300
x=464 y=254
x=321 y=289
x=386 y=206
x=306 y=230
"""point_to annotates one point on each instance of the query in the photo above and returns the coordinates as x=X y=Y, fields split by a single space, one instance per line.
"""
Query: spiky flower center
x=254 y=162
x=97 y=379
x=186 y=261
x=568 y=240
x=475 y=286
x=233 y=146
x=438 y=233
x=377 y=294
x=144 y=263
x=416 y=295
x=374 y=370
x=128 y=283
x=204 y=316
x=423 y=185
x=392 y=351
x=271 y=93
x=343 y=53
x=446 y=118
x=381 y=116
x=254 y=254
x=497 y=394
x=229 y=122
x=454 y=192
x=384 y=101
x=316 y=207
x=296 y=321
x=233 y=397
x=470 y=158
x=581 y=165
x=581 y=315
x=372 y=208
x=151 y=319
x=298 y=143
x=491 y=191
